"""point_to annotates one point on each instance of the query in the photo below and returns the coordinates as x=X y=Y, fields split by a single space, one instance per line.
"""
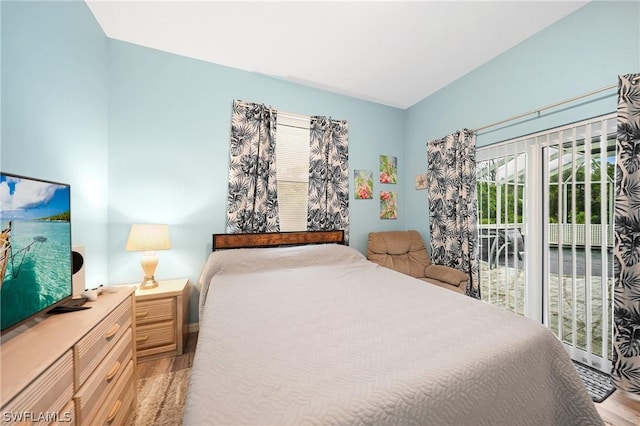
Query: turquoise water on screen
x=39 y=272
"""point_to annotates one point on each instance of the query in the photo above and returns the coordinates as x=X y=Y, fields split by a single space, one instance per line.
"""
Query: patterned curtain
x=328 y=206
x=626 y=331
x=451 y=172
x=252 y=202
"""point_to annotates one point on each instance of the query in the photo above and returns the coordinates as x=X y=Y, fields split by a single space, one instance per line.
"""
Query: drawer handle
x=114 y=370
x=140 y=339
x=114 y=411
x=112 y=331
x=142 y=314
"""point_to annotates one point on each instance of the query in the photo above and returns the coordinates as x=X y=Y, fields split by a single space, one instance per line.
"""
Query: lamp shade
x=148 y=237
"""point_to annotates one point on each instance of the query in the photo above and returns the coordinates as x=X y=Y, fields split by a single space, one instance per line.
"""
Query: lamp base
x=148 y=283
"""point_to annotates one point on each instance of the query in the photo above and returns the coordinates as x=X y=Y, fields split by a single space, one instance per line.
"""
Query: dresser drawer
x=155 y=335
x=122 y=408
x=66 y=417
x=92 y=348
x=148 y=311
x=49 y=394
x=118 y=402
x=102 y=381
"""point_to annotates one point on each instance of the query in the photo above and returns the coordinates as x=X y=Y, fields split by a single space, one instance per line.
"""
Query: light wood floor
x=154 y=367
x=619 y=409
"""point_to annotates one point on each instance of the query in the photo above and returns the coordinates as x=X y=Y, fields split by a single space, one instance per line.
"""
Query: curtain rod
x=566 y=101
x=247 y=103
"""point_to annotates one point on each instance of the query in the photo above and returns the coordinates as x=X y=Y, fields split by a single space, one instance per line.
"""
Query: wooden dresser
x=73 y=368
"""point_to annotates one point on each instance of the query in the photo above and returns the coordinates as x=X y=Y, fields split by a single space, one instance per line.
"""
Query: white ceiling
x=391 y=52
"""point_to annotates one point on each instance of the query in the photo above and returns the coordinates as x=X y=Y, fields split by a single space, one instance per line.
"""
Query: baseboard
x=193 y=328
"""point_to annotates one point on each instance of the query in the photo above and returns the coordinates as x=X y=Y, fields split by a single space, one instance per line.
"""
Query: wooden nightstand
x=161 y=319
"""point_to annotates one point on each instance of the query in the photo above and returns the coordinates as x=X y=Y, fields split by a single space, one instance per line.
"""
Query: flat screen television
x=35 y=248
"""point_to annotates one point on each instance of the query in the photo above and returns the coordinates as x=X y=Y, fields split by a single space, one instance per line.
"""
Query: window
x=292 y=170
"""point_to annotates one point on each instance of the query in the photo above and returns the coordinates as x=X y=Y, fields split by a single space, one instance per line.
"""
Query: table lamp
x=148 y=238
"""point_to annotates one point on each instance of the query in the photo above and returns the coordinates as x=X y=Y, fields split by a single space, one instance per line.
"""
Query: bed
x=316 y=334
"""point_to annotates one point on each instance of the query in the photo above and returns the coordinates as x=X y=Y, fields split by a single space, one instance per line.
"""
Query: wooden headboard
x=275 y=239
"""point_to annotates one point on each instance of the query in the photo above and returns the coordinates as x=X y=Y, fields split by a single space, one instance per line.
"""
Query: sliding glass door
x=501 y=231
x=545 y=206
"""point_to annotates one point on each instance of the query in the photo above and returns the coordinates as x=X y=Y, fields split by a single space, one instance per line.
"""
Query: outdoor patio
x=504 y=285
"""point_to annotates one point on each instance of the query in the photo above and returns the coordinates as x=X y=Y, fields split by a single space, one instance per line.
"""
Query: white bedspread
x=319 y=335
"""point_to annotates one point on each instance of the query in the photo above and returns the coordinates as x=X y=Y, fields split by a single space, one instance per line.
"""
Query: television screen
x=35 y=247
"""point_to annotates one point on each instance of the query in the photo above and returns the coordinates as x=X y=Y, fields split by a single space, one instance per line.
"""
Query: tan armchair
x=405 y=252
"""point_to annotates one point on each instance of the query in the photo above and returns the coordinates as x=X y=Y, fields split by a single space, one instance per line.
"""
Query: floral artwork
x=363 y=184
x=388 y=169
x=388 y=205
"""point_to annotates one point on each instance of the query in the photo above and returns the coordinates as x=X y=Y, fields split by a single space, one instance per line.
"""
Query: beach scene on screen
x=35 y=242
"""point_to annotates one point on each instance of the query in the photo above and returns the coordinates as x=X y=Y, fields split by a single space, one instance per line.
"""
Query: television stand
x=57 y=368
x=71 y=306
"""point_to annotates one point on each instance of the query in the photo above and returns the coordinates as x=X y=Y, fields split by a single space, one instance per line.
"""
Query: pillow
x=445 y=274
x=239 y=261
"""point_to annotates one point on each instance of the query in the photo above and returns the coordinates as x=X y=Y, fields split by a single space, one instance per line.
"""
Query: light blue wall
x=142 y=135
x=583 y=52
x=169 y=126
x=54 y=111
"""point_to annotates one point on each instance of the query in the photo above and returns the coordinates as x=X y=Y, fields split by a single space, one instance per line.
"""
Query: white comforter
x=319 y=335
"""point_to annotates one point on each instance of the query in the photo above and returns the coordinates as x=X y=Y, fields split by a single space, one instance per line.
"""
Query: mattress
x=320 y=335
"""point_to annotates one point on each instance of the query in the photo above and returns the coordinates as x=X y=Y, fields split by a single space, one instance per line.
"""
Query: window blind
x=292 y=170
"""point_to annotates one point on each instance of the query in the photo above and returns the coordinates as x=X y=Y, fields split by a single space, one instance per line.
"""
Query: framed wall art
x=388 y=205
x=388 y=169
x=363 y=184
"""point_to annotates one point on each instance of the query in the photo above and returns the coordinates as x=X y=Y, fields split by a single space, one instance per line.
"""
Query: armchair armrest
x=446 y=274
